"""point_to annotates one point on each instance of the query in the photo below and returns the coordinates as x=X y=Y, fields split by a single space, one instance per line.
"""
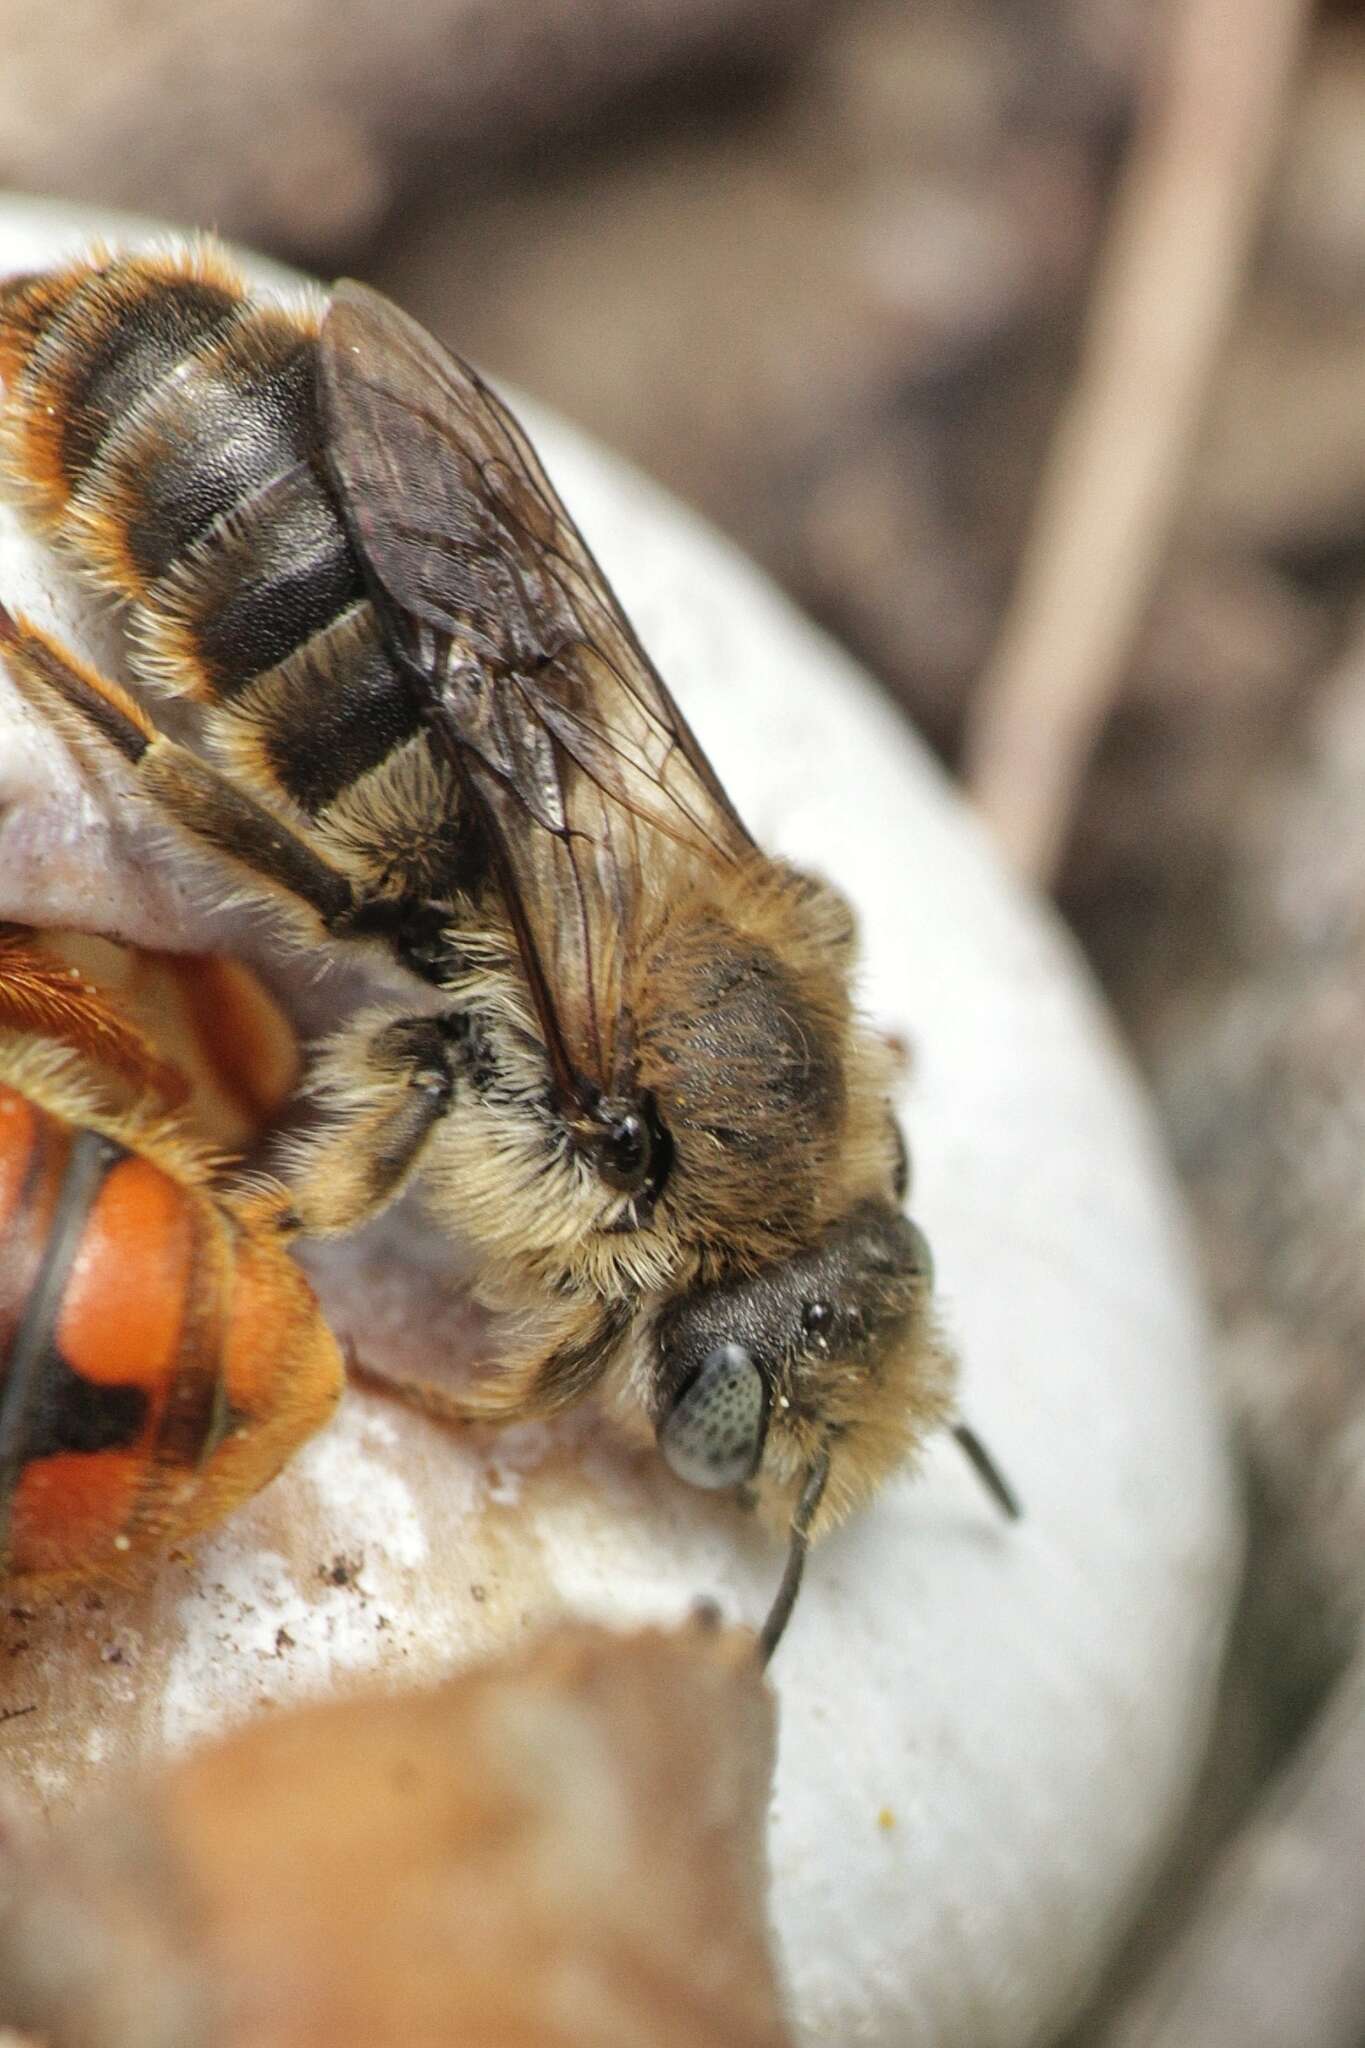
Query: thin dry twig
x=1183 y=222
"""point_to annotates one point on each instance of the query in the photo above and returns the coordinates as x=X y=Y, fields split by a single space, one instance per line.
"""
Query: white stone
x=988 y=1731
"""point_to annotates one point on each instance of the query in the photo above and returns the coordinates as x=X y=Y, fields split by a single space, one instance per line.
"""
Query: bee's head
x=808 y=1381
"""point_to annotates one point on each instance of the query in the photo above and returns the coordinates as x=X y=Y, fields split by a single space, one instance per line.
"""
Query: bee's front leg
x=564 y=1362
x=385 y=1087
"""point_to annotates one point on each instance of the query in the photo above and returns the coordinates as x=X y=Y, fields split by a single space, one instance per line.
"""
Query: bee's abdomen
x=266 y=577
x=203 y=444
x=147 y=398
x=80 y=347
x=165 y=428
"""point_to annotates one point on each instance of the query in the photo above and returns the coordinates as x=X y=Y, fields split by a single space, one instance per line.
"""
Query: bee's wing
x=535 y=683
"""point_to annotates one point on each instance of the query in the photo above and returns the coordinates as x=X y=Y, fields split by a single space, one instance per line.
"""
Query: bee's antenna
x=779 y=1614
x=987 y=1471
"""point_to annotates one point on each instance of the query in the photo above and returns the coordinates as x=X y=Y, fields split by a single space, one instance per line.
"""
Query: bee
x=634 y=1084
x=161 y=1354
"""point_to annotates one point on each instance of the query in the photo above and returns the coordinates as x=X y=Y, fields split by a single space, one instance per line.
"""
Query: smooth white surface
x=987 y=1731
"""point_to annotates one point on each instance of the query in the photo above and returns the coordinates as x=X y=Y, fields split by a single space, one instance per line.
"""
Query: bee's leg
x=385 y=1087
x=529 y=1389
x=98 y=714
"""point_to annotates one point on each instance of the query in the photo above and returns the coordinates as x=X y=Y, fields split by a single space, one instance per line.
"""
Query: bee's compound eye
x=712 y=1436
x=921 y=1253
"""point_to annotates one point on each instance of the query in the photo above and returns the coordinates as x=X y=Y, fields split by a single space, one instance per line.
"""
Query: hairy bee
x=161 y=1355
x=638 y=1089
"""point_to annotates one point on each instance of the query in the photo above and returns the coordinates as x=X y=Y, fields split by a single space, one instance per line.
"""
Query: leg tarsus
x=532 y=1388
x=424 y=1395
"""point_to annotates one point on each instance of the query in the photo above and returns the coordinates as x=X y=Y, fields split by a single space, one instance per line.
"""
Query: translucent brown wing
x=535 y=683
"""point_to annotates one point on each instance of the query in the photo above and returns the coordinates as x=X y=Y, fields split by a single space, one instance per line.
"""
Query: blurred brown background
x=829 y=271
